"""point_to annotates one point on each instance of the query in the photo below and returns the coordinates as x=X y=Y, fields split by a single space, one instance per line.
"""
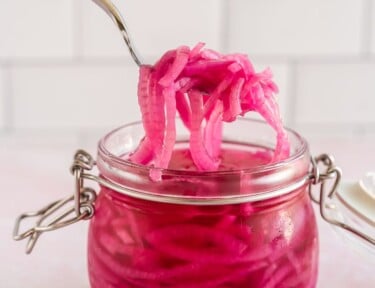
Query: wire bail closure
x=83 y=209
x=84 y=197
x=326 y=196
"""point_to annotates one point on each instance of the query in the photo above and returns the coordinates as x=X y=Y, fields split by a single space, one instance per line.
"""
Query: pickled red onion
x=206 y=88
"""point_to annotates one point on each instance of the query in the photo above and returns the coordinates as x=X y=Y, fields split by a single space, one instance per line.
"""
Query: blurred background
x=64 y=68
x=66 y=79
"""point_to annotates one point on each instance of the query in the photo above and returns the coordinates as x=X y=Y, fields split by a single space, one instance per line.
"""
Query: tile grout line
x=77 y=30
x=224 y=25
x=357 y=129
x=371 y=26
x=39 y=62
x=366 y=29
x=361 y=130
x=8 y=99
x=123 y=61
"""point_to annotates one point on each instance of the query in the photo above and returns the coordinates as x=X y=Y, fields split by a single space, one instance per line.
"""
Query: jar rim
x=298 y=154
x=232 y=186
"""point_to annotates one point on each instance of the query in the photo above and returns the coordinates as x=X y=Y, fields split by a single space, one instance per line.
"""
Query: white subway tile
x=336 y=94
x=37 y=28
x=67 y=97
x=296 y=27
x=39 y=139
x=353 y=155
x=2 y=98
x=155 y=26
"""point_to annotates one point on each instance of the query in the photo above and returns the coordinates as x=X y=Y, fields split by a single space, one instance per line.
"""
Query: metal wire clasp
x=325 y=201
x=54 y=216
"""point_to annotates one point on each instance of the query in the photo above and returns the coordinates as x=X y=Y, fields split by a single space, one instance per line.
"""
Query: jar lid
x=355 y=206
x=359 y=197
x=348 y=206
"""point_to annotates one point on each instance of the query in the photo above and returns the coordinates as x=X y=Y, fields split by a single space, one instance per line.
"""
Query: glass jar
x=250 y=227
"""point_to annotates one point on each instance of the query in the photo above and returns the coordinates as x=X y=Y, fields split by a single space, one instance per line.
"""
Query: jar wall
x=140 y=243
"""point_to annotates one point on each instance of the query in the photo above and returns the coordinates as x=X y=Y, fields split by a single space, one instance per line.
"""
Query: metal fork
x=115 y=15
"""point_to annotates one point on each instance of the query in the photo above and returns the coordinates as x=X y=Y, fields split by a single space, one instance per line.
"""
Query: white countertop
x=34 y=175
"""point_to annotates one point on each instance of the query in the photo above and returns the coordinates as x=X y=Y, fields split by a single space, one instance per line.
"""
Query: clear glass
x=238 y=228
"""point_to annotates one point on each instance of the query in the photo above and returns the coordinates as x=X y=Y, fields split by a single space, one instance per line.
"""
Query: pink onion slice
x=233 y=108
x=179 y=63
x=175 y=241
x=207 y=77
x=213 y=129
x=144 y=152
x=198 y=151
x=162 y=160
x=183 y=109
